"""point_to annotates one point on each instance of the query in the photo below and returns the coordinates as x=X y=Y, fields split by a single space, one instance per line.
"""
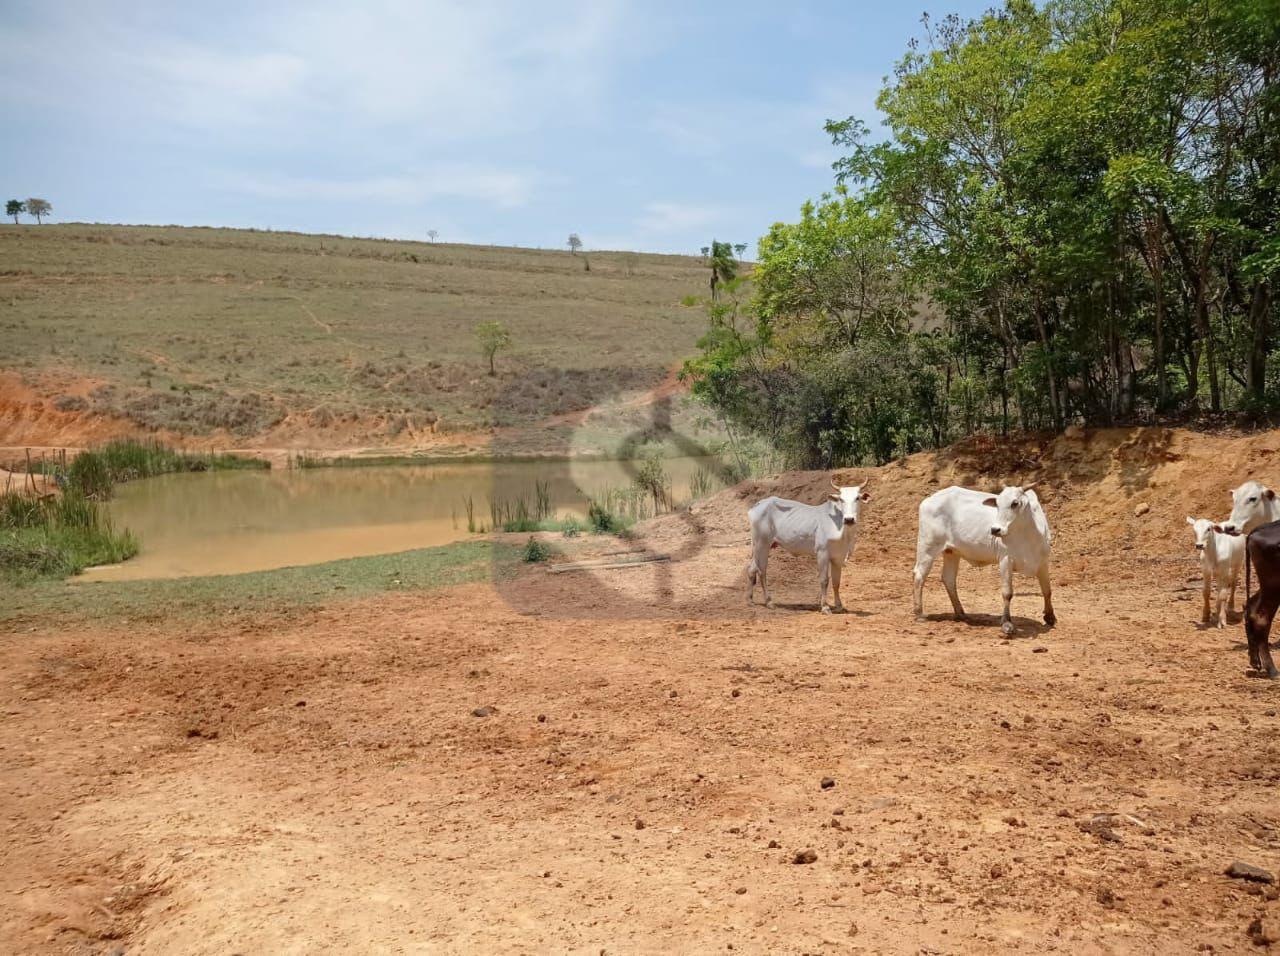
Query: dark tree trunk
x=1260 y=327
x=1043 y=331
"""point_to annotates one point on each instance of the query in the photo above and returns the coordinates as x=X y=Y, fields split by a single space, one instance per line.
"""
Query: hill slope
x=299 y=340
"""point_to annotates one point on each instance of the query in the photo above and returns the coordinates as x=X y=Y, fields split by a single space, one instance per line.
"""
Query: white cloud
x=496 y=187
x=439 y=69
x=667 y=217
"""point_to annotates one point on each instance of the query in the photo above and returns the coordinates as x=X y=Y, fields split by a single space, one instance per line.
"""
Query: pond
x=229 y=522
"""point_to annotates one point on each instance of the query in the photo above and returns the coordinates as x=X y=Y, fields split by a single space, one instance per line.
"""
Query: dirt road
x=655 y=757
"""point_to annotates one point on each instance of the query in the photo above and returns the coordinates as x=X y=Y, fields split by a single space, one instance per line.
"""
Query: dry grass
x=199 y=330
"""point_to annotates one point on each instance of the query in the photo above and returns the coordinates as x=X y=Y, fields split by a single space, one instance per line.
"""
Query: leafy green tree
x=38 y=208
x=1073 y=218
x=15 y=208
x=493 y=336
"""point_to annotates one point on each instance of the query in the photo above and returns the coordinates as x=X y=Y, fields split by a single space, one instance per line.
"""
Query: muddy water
x=231 y=522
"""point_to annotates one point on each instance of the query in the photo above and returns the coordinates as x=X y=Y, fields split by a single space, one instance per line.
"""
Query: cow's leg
x=1231 y=602
x=1259 y=611
x=836 y=570
x=1220 y=612
x=757 y=570
x=924 y=564
x=824 y=575
x=950 y=569
x=1206 y=584
x=1006 y=592
x=1046 y=591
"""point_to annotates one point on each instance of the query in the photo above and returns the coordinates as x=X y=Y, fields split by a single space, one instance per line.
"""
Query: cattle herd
x=1011 y=530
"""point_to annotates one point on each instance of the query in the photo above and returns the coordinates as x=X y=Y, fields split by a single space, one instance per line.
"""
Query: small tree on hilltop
x=39 y=208
x=432 y=234
x=15 y=208
x=492 y=336
x=738 y=249
x=575 y=246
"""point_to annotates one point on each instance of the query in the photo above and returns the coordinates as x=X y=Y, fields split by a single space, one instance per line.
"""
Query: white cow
x=827 y=531
x=1253 y=504
x=1221 y=557
x=1009 y=529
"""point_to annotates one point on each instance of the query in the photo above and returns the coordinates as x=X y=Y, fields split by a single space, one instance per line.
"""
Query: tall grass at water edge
x=95 y=470
x=57 y=535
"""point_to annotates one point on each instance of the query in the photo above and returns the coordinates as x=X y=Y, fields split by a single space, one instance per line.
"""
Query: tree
x=1079 y=201
x=492 y=336
x=739 y=248
x=38 y=208
x=574 y=243
x=432 y=234
x=723 y=266
x=15 y=208
x=706 y=251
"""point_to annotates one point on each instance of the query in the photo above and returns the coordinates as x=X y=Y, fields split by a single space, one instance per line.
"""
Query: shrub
x=602 y=520
x=535 y=551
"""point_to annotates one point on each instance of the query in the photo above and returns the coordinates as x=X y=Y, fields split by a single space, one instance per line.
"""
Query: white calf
x=1221 y=557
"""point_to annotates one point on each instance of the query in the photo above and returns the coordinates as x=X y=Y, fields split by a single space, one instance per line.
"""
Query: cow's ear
x=835 y=497
x=1190 y=520
x=1270 y=494
x=990 y=502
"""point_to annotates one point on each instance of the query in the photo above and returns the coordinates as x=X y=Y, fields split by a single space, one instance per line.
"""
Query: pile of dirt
x=1091 y=485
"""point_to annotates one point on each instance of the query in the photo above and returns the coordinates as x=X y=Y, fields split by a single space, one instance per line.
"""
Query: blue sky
x=641 y=125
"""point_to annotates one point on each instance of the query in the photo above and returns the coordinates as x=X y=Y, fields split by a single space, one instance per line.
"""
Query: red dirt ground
x=654 y=760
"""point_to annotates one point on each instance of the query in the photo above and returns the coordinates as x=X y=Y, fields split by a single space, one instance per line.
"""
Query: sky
x=638 y=124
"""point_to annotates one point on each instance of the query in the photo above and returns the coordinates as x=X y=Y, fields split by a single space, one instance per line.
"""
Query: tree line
x=1073 y=218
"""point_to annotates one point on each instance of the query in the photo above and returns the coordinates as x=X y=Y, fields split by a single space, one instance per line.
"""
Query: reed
x=58 y=535
x=96 y=470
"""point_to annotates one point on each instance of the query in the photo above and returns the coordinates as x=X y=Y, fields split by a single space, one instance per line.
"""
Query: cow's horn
x=835 y=484
x=1030 y=486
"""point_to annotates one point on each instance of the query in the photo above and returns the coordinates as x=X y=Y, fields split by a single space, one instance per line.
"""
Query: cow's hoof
x=825 y=609
x=769 y=604
x=1007 y=628
x=839 y=609
x=1050 y=619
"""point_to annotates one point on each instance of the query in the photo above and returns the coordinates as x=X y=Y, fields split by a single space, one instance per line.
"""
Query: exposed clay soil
x=655 y=756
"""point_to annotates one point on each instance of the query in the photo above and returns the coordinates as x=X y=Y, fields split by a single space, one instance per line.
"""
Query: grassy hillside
x=318 y=341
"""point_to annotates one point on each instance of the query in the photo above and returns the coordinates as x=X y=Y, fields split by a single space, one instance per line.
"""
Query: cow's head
x=1251 y=506
x=1201 y=528
x=849 y=499
x=1011 y=507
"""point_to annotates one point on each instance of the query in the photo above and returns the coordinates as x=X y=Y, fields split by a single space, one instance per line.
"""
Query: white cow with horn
x=828 y=531
x=1009 y=529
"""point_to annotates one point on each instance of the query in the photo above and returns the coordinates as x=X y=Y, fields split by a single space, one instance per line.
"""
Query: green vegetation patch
x=56 y=536
x=279 y=590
